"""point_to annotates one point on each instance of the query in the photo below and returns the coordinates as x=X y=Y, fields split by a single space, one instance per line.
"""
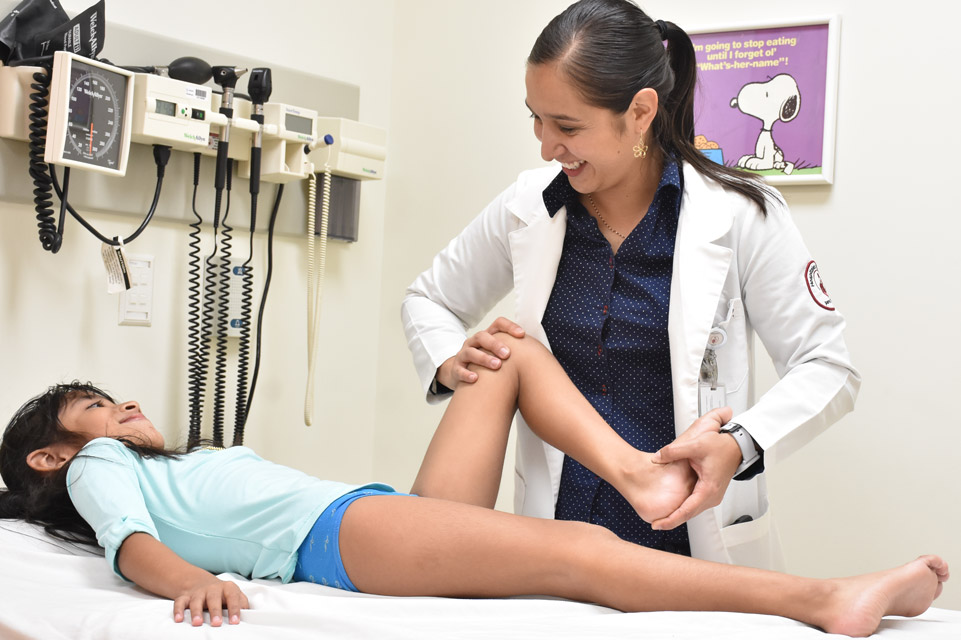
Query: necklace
x=601 y=218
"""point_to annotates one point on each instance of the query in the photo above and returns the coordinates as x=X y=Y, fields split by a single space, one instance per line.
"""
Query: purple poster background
x=729 y=60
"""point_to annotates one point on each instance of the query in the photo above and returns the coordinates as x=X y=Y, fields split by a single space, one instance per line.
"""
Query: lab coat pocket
x=754 y=543
x=750 y=542
x=746 y=532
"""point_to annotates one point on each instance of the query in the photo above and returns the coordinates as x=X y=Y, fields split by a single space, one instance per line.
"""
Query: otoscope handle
x=255 y=170
x=220 y=176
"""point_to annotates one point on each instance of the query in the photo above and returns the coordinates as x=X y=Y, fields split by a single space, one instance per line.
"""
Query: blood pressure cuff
x=29 y=19
x=40 y=27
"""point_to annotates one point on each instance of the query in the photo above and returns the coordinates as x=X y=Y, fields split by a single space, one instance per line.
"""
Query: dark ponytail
x=610 y=50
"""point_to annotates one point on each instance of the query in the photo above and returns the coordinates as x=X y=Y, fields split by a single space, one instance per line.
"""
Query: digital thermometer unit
x=170 y=112
x=88 y=124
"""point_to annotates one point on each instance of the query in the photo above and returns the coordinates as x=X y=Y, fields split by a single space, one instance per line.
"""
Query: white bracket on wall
x=133 y=47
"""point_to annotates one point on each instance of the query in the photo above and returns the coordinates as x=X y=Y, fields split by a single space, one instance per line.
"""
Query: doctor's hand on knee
x=713 y=456
x=482 y=349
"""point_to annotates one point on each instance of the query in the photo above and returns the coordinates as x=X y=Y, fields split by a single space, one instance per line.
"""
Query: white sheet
x=50 y=591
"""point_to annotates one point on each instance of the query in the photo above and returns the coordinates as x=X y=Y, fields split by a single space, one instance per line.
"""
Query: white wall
x=880 y=487
x=57 y=322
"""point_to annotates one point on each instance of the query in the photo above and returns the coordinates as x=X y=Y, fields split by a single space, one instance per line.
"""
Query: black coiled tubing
x=246 y=316
x=50 y=234
x=210 y=294
x=196 y=339
x=263 y=297
x=222 y=285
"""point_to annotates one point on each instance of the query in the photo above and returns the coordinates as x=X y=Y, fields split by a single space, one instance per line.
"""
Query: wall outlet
x=136 y=303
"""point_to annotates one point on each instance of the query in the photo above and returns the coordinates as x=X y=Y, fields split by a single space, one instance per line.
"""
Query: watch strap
x=750 y=455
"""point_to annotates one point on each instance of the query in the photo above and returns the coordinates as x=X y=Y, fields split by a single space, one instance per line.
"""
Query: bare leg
x=466 y=455
x=398 y=545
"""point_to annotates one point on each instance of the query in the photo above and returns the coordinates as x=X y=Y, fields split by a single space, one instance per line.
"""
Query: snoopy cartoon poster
x=765 y=101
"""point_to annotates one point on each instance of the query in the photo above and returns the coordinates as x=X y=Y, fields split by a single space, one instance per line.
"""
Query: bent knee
x=523 y=344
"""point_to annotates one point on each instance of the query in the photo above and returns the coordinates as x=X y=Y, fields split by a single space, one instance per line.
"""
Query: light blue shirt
x=223 y=510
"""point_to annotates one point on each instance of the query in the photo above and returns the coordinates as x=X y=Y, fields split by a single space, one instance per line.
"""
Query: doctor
x=647 y=269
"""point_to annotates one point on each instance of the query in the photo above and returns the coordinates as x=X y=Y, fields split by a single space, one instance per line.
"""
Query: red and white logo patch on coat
x=816 y=286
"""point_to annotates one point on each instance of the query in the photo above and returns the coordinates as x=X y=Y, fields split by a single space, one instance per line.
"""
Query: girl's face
x=593 y=145
x=96 y=417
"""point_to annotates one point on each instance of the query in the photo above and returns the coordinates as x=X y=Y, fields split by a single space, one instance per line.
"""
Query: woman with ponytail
x=646 y=269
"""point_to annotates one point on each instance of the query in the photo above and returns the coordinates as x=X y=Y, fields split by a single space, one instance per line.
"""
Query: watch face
x=95 y=115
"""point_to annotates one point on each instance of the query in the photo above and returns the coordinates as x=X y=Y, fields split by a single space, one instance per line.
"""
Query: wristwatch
x=750 y=455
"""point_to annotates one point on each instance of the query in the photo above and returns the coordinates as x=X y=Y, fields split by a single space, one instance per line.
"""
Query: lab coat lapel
x=536 y=249
x=700 y=270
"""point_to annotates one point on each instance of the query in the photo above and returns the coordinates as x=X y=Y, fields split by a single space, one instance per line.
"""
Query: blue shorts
x=318 y=558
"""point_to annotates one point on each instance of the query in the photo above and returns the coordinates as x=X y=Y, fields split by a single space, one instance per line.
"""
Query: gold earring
x=640 y=149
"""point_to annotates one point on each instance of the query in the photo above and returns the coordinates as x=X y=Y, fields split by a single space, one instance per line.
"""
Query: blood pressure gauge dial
x=88 y=125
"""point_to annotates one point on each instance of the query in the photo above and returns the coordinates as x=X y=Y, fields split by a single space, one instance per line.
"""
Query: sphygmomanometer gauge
x=89 y=115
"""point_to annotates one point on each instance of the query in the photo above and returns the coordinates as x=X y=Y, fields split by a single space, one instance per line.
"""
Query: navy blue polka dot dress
x=606 y=321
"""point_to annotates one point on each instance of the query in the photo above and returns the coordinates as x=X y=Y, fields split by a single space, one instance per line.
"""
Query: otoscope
x=226 y=77
x=259 y=88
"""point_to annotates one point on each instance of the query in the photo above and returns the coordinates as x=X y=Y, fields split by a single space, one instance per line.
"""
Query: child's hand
x=212 y=595
x=155 y=567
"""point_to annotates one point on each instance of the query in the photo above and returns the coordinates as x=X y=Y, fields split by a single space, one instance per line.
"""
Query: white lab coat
x=733 y=268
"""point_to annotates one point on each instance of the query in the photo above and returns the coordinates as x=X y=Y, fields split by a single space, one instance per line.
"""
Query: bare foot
x=656 y=490
x=859 y=603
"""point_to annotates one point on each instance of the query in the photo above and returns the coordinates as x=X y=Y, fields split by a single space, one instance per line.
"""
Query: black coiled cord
x=210 y=289
x=243 y=349
x=161 y=155
x=51 y=234
x=263 y=298
x=196 y=371
x=223 y=287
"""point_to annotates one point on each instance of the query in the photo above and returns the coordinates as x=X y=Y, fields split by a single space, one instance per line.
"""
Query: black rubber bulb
x=190 y=69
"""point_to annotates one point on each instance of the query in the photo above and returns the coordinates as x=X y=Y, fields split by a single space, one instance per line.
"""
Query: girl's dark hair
x=41 y=498
x=610 y=50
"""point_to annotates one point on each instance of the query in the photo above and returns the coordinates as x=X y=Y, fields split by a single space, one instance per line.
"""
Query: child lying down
x=91 y=469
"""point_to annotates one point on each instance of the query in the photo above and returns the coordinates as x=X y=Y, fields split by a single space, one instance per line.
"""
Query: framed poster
x=766 y=100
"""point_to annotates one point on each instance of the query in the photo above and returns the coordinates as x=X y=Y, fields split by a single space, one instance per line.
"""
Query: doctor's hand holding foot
x=713 y=456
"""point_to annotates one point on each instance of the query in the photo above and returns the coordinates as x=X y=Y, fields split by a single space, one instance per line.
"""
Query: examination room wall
x=880 y=486
x=58 y=323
